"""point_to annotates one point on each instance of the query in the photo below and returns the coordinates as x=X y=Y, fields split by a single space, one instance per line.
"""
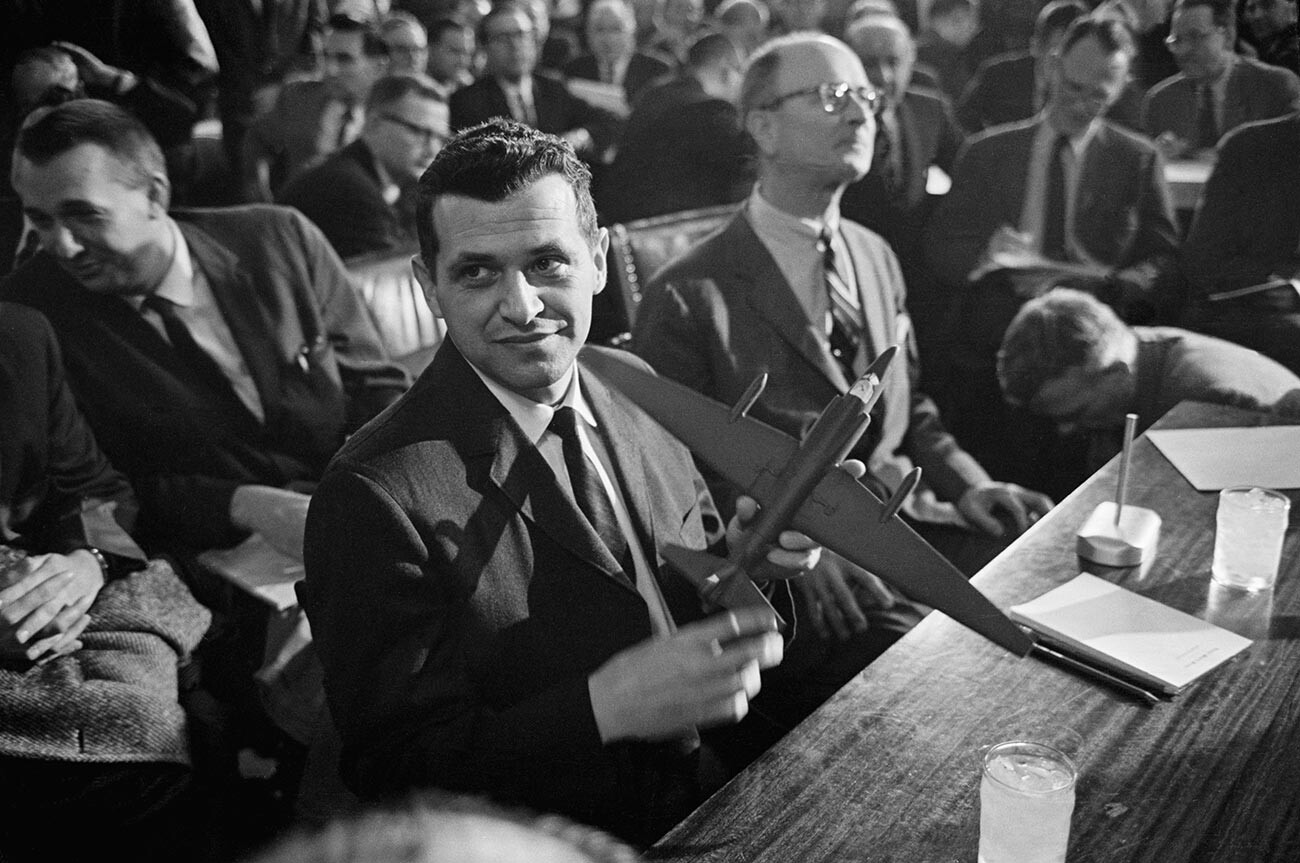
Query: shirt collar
x=1079 y=142
x=534 y=417
x=177 y=285
x=768 y=218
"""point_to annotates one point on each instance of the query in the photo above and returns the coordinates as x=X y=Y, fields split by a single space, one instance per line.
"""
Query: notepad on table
x=1132 y=635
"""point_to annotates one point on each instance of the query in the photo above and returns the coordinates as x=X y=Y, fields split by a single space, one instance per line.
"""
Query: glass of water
x=1248 y=536
x=1026 y=799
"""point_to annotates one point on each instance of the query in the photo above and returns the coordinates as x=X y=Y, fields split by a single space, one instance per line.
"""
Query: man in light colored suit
x=757 y=297
x=483 y=626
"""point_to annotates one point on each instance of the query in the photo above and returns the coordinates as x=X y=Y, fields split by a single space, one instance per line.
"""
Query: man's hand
x=580 y=139
x=837 y=594
x=45 y=610
x=981 y=504
x=94 y=72
x=278 y=514
x=703 y=675
x=792 y=556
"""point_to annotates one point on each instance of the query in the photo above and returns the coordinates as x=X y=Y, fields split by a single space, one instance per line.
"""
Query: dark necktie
x=589 y=491
x=188 y=350
x=1054 y=208
x=884 y=161
x=1207 y=122
x=846 y=316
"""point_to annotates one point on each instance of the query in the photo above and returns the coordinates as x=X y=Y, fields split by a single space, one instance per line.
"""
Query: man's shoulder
x=1175 y=85
x=1249 y=72
x=709 y=256
x=1000 y=67
x=1118 y=139
x=1003 y=136
x=339 y=178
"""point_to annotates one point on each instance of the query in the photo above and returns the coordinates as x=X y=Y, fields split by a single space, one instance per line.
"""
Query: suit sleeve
x=1222 y=249
x=381 y=604
x=344 y=206
x=370 y=379
x=89 y=503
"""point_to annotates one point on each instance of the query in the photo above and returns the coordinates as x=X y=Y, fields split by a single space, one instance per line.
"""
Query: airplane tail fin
x=717 y=580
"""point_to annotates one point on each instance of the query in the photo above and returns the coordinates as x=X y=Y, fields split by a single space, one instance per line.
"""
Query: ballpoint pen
x=1095 y=673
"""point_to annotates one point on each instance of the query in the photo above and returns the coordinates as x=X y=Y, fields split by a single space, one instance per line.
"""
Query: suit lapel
x=621 y=437
x=496 y=450
x=237 y=297
x=765 y=288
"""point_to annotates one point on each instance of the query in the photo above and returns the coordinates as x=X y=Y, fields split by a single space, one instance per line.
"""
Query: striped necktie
x=846 y=312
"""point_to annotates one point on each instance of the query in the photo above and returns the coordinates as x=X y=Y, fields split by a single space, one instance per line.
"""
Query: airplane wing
x=843 y=515
x=749 y=453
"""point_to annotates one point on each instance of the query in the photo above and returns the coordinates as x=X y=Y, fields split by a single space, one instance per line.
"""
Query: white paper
x=255 y=566
x=1212 y=459
x=1122 y=630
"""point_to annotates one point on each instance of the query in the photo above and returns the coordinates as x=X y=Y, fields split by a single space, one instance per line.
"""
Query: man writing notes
x=483 y=575
x=791 y=289
x=1069 y=187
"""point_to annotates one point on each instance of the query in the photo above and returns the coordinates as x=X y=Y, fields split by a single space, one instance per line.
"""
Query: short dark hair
x=1058 y=331
x=710 y=50
x=393 y=88
x=1110 y=33
x=57 y=130
x=492 y=161
x=372 y=43
x=941 y=8
x=1222 y=12
x=500 y=9
x=442 y=25
x=1054 y=18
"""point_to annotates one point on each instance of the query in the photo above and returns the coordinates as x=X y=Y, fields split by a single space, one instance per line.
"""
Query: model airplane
x=800 y=486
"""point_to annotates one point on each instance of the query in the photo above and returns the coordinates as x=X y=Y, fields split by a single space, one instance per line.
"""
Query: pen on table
x=1097 y=674
x=1130 y=425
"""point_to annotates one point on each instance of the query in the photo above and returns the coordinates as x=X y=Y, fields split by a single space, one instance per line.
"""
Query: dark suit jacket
x=314 y=354
x=1123 y=217
x=1002 y=91
x=558 y=110
x=642 y=70
x=681 y=149
x=1247 y=226
x=721 y=314
x=57 y=491
x=928 y=135
x=460 y=601
x=1255 y=91
x=343 y=196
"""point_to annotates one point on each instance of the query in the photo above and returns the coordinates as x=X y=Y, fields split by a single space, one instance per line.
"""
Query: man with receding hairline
x=790 y=288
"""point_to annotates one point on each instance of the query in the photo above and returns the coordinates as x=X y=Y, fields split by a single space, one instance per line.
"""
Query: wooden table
x=888 y=769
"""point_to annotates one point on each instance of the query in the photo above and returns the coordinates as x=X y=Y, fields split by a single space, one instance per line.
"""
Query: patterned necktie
x=589 y=491
x=188 y=350
x=1207 y=121
x=1054 y=207
x=846 y=312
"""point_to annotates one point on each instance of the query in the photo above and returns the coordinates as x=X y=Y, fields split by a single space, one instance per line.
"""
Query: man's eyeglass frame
x=834 y=97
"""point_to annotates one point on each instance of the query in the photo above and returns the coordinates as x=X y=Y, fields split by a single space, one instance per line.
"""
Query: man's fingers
x=38 y=571
x=729 y=625
x=854 y=468
x=66 y=619
x=746 y=508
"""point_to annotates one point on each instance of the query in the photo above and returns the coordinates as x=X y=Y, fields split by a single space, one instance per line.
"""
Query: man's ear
x=601 y=259
x=160 y=194
x=759 y=126
x=427 y=285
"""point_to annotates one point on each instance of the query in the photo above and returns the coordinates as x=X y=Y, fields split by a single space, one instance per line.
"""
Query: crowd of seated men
x=184 y=353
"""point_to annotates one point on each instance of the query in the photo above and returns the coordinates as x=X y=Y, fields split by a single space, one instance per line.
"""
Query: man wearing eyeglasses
x=1066 y=187
x=1216 y=91
x=360 y=197
x=791 y=289
x=511 y=87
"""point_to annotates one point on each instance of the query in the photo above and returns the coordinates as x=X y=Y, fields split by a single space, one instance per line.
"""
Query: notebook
x=256 y=567
x=1126 y=633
